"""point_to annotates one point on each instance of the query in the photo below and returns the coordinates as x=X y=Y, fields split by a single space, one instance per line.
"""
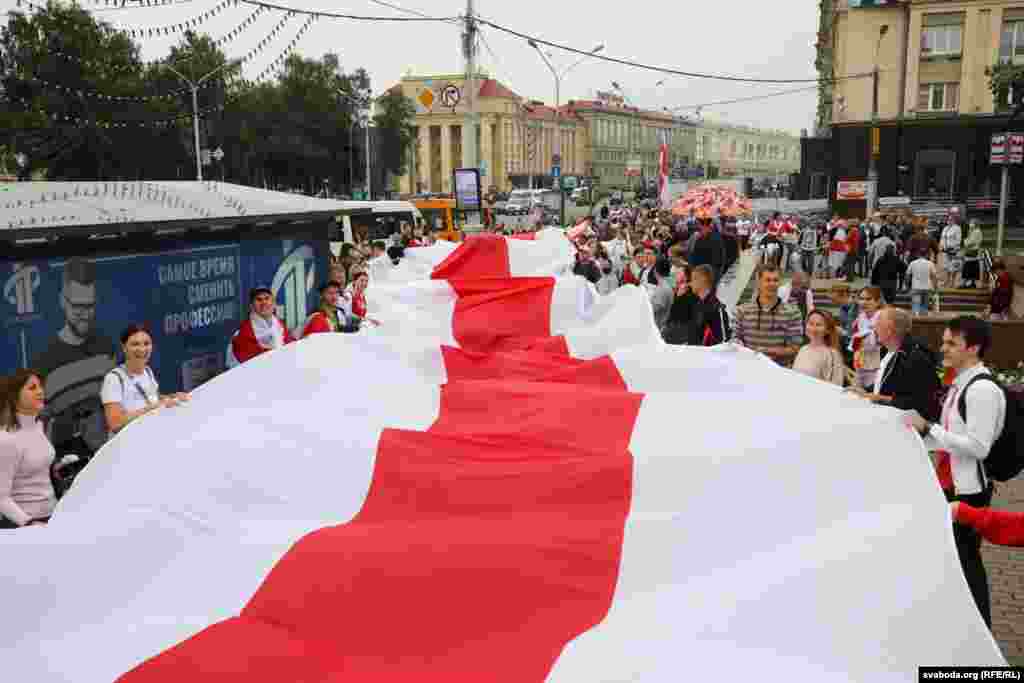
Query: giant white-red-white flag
x=511 y=480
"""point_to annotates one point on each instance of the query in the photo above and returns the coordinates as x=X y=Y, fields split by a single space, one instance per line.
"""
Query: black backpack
x=1005 y=460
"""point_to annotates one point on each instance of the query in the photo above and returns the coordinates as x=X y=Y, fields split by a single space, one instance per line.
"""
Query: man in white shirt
x=961 y=445
x=618 y=249
x=921 y=272
x=878 y=248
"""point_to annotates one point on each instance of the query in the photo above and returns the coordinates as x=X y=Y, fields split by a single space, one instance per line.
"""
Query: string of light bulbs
x=173 y=94
x=279 y=61
x=178 y=27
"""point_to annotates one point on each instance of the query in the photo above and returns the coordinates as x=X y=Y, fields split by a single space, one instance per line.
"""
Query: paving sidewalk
x=1006 y=579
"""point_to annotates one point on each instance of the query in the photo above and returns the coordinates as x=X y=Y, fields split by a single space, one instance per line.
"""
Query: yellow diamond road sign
x=427 y=99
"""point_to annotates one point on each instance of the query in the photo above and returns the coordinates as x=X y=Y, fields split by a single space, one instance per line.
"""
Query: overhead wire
x=413 y=12
x=338 y=15
x=751 y=98
x=658 y=69
x=497 y=63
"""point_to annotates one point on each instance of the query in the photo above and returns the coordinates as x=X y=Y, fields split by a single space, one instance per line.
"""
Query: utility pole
x=469 y=129
x=471 y=122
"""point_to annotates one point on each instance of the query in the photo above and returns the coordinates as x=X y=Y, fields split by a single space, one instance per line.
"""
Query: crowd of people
x=867 y=346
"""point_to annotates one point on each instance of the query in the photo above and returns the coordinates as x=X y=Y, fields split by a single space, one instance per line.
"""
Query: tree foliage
x=77 y=102
x=394 y=121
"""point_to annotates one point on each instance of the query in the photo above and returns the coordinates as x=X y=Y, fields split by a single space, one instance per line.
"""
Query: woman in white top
x=26 y=455
x=131 y=390
x=821 y=358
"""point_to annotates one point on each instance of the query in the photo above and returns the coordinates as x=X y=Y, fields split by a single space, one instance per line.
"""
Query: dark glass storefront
x=932 y=160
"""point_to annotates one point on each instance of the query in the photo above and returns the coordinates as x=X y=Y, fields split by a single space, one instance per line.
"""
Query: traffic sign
x=556 y=171
x=451 y=95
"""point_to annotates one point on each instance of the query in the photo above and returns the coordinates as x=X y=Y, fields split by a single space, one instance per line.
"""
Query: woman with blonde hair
x=820 y=357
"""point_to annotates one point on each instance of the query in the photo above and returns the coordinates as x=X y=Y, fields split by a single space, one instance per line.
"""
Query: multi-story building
x=625 y=141
x=726 y=150
x=824 y=63
x=912 y=90
x=516 y=138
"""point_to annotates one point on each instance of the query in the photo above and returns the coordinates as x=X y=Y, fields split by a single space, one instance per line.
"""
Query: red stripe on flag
x=503 y=314
x=524 y=236
x=531 y=365
x=479 y=256
x=484 y=546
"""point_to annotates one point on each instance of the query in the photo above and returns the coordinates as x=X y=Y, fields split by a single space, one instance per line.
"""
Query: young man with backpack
x=974 y=442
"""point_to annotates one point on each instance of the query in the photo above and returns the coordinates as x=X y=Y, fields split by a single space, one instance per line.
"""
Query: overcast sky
x=726 y=37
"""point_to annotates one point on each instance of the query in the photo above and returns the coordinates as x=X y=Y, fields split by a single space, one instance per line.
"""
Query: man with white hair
x=949 y=249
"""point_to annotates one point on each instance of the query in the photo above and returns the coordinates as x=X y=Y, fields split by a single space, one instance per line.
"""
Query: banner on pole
x=997 y=153
x=1016 y=145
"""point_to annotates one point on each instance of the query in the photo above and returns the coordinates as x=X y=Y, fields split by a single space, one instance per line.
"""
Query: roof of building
x=585 y=105
x=37 y=208
x=493 y=88
x=538 y=111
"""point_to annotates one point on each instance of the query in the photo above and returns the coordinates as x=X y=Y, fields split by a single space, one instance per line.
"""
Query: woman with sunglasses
x=131 y=390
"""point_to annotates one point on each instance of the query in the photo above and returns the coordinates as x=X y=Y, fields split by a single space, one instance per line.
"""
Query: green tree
x=394 y=121
x=64 y=80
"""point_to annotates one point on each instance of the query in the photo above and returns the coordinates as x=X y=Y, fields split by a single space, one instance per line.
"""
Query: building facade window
x=941 y=40
x=1011 y=41
x=938 y=97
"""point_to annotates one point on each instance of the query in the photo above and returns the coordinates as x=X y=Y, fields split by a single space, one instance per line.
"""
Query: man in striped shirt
x=767 y=324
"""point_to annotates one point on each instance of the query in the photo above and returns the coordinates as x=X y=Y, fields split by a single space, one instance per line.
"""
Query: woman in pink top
x=26 y=455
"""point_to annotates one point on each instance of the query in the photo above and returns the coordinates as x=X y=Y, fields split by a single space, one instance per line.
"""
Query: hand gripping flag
x=555 y=498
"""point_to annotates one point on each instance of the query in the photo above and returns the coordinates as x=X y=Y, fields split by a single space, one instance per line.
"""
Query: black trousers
x=968 y=545
x=889 y=292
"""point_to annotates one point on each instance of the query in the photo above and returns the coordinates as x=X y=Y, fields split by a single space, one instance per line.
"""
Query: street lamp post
x=194 y=87
x=351 y=129
x=558 y=114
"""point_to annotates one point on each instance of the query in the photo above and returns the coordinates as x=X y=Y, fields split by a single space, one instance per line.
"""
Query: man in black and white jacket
x=907 y=378
x=960 y=446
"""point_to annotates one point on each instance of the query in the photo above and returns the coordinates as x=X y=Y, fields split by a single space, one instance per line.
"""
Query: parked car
x=519 y=203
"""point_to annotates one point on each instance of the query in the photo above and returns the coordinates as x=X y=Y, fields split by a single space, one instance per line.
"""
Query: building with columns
x=625 y=141
x=516 y=138
x=601 y=138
